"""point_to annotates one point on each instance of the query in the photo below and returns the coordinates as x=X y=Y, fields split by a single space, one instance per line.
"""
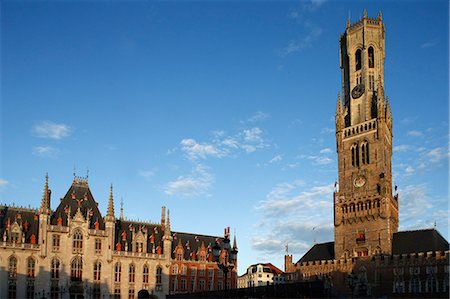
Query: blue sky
x=221 y=111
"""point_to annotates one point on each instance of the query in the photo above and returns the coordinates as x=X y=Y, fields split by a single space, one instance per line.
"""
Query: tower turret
x=365 y=211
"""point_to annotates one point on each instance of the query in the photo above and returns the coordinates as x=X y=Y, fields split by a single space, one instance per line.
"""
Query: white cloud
x=3 y=183
x=401 y=148
x=258 y=117
x=195 y=184
x=414 y=203
x=415 y=133
x=437 y=154
x=45 y=151
x=429 y=44
x=51 y=130
x=306 y=41
x=409 y=170
x=277 y=158
x=147 y=174
x=296 y=215
x=195 y=150
x=326 y=150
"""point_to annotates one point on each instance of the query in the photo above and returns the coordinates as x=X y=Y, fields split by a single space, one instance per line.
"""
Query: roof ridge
x=19 y=208
x=198 y=235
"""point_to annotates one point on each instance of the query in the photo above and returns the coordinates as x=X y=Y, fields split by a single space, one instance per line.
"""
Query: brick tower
x=365 y=211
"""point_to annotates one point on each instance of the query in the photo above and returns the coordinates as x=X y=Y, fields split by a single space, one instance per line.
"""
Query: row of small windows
x=358 y=60
x=360 y=206
x=77 y=246
x=132 y=274
x=415 y=285
x=356 y=157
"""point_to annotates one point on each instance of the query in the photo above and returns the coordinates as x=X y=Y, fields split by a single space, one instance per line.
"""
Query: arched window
x=158 y=278
x=131 y=273
x=31 y=267
x=365 y=152
x=77 y=242
x=371 y=58
x=55 y=268
x=12 y=267
x=145 y=274
x=97 y=271
x=76 y=271
x=117 y=272
x=358 y=60
x=355 y=155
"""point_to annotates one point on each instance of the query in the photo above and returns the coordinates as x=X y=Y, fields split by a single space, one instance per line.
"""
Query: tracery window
x=158 y=278
x=55 y=268
x=76 y=271
x=31 y=264
x=145 y=274
x=12 y=269
x=97 y=271
x=355 y=155
x=131 y=273
x=77 y=242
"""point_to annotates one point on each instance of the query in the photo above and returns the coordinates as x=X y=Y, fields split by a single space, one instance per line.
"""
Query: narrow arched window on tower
x=371 y=58
x=358 y=60
x=355 y=155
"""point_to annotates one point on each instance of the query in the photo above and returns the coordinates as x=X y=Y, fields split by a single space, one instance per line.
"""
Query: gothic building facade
x=75 y=252
x=369 y=256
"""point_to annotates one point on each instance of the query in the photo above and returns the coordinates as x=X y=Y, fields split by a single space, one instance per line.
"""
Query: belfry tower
x=365 y=210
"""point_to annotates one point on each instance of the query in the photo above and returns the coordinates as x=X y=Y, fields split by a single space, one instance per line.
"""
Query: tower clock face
x=357 y=91
x=359 y=182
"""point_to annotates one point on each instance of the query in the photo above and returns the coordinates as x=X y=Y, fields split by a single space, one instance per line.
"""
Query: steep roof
x=78 y=196
x=125 y=229
x=26 y=219
x=192 y=243
x=415 y=241
x=273 y=269
x=322 y=251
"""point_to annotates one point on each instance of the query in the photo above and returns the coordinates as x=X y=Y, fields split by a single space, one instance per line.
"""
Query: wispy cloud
x=415 y=133
x=222 y=145
x=258 y=117
x=195 y=150
x=3 y=183
x=147 y=174
x=45 y=151
x=312 y=33
x=51 y=130
x=275 y=159
x=197 y=183
x=436 y=155
x=296 y=215
x=401 y=148
x=414 y=203
x=429 y=44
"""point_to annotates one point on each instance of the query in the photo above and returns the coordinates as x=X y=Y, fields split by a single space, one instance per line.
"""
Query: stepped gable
x=319 y=252
x=27 y=220
x=195 y=242
x=79 y=195
x=416 y=241
x=124 y=234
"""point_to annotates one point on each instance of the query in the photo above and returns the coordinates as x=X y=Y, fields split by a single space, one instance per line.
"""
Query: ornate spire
x=348 y=22
x=167 y=226
x=234 y=241
x=380 y=16
x=163 y=217
x=110 y=212
x=365 y=13
x=45 y=203
x=121 y=208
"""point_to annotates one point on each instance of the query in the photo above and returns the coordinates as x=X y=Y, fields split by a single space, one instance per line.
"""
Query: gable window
x=175 y=270
x=77 y=242
x=56 y=242
x=98 y=246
